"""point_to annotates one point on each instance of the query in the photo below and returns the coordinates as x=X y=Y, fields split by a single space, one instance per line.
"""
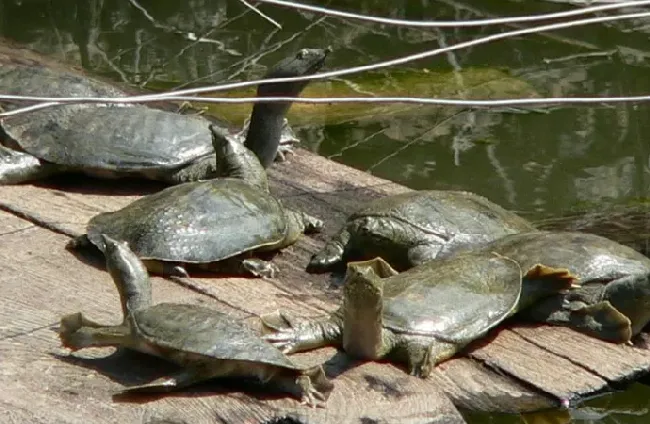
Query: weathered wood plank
x=41 y=281
x=522 y=369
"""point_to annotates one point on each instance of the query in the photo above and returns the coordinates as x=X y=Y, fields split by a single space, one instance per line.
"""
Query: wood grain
x=514 y=370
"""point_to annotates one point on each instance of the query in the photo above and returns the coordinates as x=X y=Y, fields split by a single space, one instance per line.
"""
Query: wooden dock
x=515 y=370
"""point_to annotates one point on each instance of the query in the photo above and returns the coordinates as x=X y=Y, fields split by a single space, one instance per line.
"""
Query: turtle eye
x=303 y=54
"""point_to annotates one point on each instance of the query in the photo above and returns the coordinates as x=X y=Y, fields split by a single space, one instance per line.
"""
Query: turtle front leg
x=290 y=335
x=17 y=167
x=77 y=332
x=311 y=386
x=288 y=140
x=203 y=168
x=421 y=355
x=331 y=255
x=260 y=268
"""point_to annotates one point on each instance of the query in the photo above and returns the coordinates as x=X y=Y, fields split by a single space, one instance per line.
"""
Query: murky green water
x=527 y=161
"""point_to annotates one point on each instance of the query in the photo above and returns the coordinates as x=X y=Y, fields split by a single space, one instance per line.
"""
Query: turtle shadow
x=130 y=368
x=124 y=366
x=83 y=184
x=88 y=255
x=340 y=363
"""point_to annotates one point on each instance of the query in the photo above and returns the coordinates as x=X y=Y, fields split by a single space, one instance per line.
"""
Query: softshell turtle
x=110 y=142
x=424 y=315
x=207 y=343
x=613 y=300
x=410 y=228
x=214 y=223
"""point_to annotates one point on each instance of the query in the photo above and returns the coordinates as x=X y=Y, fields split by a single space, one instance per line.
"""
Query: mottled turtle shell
x=445 y=213
x=209 y=221
x=589 y=256
x=124 y=137
x=196 y=330
x=455 y=300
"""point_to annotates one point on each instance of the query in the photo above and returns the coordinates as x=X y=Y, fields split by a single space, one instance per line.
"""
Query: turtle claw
x=286 y=341
x=283 y=152
x=314 y=388
x=284 y=335
x=260 y=268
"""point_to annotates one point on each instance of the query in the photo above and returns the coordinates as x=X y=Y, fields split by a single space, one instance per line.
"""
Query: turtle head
x=363 y=308
x=129 y=275
x=304 y=62
x=234 y=160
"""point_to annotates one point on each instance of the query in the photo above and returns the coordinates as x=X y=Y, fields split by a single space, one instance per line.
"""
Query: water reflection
x=524 y=159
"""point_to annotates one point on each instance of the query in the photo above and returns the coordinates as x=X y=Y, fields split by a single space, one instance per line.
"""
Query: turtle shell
x=24 y=77
x=197 y=330
x=456 y=300
x=446 y=213
x=127 y=139
x=123 y=138
x=589 y=256
x=196 y=222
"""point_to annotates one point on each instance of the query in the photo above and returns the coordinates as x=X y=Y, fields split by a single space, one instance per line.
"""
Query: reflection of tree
x=523 y=161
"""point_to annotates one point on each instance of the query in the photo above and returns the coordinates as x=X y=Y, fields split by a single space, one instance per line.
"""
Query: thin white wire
x=175 y=95
x=408 y=100
x=454 y=24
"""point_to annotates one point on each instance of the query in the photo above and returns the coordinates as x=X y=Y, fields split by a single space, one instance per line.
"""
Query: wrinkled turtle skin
x=613 y=300
x=212 y=223
x=424 y=315
x=127 y=141
x=408 y=229
x=205 y=342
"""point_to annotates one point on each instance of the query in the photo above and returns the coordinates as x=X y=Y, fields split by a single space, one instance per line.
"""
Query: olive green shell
x=209 y=221
x=196 y=330
x=454 y=300
x=128 y=138
x=589 y=256
x=446 y=213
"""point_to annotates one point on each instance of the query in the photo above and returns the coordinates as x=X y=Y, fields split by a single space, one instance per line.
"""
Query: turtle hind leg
x=17 y=167
x=311 y=386
x=600 y=320
x=77 y=332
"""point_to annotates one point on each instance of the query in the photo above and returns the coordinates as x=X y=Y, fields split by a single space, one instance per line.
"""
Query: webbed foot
x=288 y=140
x=314 y=387
x=285 y=329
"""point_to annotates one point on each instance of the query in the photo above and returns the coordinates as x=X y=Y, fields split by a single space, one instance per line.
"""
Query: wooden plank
x=591 y=354
x=41 y=282
x=557 y=376
x=499 y=376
